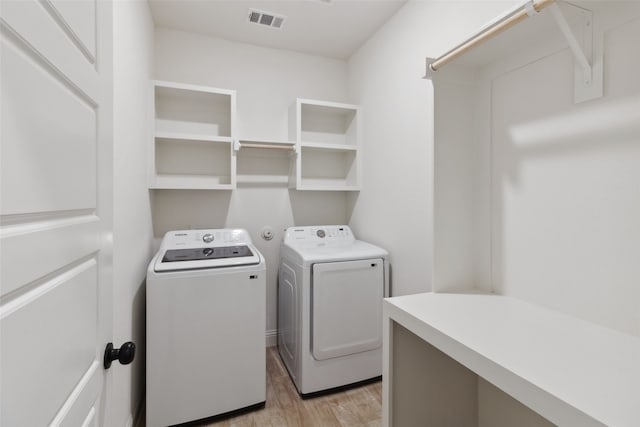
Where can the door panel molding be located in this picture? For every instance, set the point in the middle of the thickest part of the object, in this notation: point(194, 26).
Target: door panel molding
point(49, 340)
point(78, 24)
point(79, 406)
point(57, 244)
point(41, 36)
point(49, 140)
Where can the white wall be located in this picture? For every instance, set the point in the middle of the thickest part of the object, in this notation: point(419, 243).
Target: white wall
point(267, 82)
point(394, 207)
point(565, 185)
point(132, 228)
point(457, 212)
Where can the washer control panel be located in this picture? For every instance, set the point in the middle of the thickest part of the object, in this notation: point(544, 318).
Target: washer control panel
point(319, 234)
point(210, 238)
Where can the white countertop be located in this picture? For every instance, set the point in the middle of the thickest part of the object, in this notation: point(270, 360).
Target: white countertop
point(570, 371)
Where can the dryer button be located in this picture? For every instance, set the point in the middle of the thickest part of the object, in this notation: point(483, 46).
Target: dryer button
point(320, 234)
point(207, 238)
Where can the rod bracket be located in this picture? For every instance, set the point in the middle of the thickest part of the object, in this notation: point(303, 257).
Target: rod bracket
point(588, 79)
point(530, 9)
point(430, 71)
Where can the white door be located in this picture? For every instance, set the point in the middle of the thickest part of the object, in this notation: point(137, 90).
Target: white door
point(346, 307)
point(55, 210)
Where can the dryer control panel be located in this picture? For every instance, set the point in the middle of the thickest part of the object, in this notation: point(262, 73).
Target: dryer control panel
point(319, 234)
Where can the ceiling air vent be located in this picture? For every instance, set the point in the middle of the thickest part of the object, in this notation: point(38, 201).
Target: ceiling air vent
point(267, 19)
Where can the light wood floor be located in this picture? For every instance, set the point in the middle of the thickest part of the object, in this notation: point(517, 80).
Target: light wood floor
point(284, 408)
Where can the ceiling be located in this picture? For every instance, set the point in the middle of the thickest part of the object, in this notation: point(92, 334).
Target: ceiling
point(331, 28)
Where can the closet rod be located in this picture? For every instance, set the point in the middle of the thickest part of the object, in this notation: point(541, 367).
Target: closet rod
point(277, 147)
point(499, 26)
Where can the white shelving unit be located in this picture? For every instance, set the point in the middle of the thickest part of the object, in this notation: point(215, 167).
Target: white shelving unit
point(194, 129)
point(328, 140)
point(195, 145)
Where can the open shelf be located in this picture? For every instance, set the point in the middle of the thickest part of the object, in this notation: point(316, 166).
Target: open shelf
point(193, 109)
point(187, 161)
point(328, 169)
point(328, 146)
point(193, 138)
point(328, 140)
point(190, 182)
point(328, 122)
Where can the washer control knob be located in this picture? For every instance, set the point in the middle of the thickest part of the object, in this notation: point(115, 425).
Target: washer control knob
point(320, 233)
point(207, 238)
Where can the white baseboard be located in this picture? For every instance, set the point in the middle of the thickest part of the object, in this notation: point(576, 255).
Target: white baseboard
point(272, 337)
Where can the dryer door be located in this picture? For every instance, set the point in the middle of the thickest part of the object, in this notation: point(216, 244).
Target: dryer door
point(346, 307)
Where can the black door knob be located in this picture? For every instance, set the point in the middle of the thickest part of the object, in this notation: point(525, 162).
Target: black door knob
point(124, 354)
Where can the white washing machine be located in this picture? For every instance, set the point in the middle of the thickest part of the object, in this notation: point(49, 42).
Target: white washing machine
point(206, 303)
point(330, 291)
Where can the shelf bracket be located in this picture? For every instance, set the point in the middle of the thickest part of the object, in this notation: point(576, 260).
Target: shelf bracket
point(236, 145)
point(588, 80)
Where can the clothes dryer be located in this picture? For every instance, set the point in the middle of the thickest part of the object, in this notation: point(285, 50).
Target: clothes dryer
point(330, 291)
